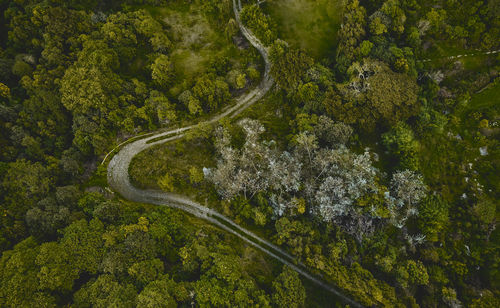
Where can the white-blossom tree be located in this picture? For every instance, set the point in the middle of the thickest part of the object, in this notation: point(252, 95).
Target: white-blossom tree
point(407, 190)
point(328, 180)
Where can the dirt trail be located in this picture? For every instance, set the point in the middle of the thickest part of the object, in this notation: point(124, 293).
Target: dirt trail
point(119, 180)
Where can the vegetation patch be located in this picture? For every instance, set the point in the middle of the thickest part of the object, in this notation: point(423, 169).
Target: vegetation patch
point(308, 24)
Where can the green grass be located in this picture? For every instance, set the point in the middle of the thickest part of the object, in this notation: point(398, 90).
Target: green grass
point(174, 158)
point(274, 113)
point(308, 24)
point(489, 97)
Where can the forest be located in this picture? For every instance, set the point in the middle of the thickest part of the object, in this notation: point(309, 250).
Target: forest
point(227, 153)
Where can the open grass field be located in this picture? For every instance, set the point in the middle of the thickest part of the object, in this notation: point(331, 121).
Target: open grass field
point(308, 24)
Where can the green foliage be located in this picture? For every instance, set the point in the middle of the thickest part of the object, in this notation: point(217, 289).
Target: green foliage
point(261, 25)
point(19, 276)
point(350, 34)
point(365, 48)
point(195, 175)
point(393, 9)
point(106, 291)
point(389, 98)
point(57, 270)
point(401, 142)
point(417, 273)
point(156, 294)
point(288, 290)
point(166, 182)
point(145, 272)
point(21, 68)
point(485, 210)
point(24, 184)
point(211, 93)
point(377, 27)
point(433, 217)
point(84, 243)
point(161, 71)
point(289, 68)
point(487, 299)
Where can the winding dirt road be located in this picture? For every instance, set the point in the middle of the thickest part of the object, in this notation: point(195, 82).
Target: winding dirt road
point(118, 176)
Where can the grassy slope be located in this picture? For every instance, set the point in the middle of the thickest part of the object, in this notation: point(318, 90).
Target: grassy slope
point(489, 97)
point(308, 24)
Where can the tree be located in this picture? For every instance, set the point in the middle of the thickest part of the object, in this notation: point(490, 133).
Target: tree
point(374, 94)
point(261, 25)
point(156, 294)
point(365, 48)
point(331, 181)
point(433, 216)
point(161, 71)
point(407, 190)
point(350, 34)
point(146, 271)
point(166, 182)
point(105, 291)
point(331, 133)
point(19, 277)
point(23, 185)
point(288, 290)
point(224, 283)
point(85, 244)
point(57, 270)
point(211, 92)
point(288, 69)
point(377, 23)
point(159, 108)
point(108, 212)
point(436, 19)
point(417, 273)
point(47, 218)
point(485, 211)
point(401, 142)
point(4, 91)
point(392, 9)
point(195, 175)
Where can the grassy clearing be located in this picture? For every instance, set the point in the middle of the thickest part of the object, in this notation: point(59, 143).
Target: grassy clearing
point(489, 97)
point(176, 159)
point(308, 24)
point(274, 114)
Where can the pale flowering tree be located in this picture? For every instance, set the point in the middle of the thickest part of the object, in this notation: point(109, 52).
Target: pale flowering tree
point(328, 180)
point(240, 171)
point(332, 133)
point(407, 190)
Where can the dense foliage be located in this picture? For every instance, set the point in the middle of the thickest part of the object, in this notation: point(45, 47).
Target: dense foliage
point(376, 167)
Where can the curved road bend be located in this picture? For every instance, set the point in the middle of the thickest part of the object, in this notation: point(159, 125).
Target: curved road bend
point(118, 176)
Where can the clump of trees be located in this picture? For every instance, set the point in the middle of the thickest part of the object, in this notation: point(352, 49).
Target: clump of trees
point(93, 89)
point(260, 24)
point(319, 175)
point(373, 95)
point(120, 254)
